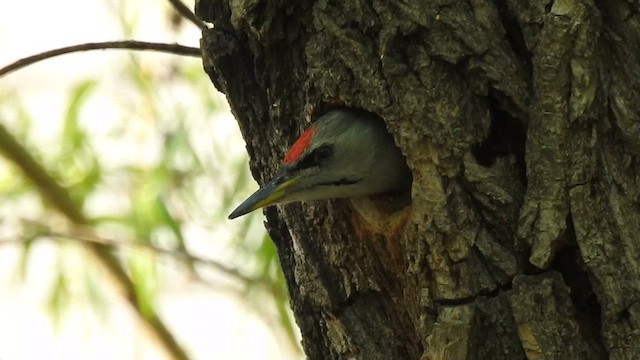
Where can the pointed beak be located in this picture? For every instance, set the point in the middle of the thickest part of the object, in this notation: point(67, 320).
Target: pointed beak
point(269, 194)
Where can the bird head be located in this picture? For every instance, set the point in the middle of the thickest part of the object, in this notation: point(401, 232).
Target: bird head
point(344, 154)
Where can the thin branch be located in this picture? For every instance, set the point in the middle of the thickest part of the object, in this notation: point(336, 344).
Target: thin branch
point(126, 44)
point(185, 12)
point(48, 187)
point(89, 238)
point(116, 244)
point(59, 198)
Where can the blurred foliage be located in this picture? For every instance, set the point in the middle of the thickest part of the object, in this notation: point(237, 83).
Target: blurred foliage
point(155, 171)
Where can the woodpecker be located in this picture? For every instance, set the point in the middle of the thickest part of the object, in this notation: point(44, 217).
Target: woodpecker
point(344, 154)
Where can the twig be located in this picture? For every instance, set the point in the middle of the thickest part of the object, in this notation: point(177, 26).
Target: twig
point(185, 12)
point(47, 186)
point(46, 234)
point(126, 44)
point(115, 244)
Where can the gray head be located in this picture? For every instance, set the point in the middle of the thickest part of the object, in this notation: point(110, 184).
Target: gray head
point(343, 154)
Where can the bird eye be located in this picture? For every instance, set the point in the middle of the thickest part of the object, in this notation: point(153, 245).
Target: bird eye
point(322, 154)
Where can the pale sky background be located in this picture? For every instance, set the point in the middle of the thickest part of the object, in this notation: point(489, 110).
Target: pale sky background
point(210, 323)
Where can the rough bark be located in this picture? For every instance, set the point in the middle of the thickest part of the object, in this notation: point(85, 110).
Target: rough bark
point(520, 121)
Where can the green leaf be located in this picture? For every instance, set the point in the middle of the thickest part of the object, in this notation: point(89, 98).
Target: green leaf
point(58, 300)
point(23, 262)
point(77, 160)
point(73, 135)
point(144, 276)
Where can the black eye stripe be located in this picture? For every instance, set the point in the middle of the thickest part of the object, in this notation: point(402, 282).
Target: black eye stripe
point(305, 163)
point(343, 181)
point(315, 158)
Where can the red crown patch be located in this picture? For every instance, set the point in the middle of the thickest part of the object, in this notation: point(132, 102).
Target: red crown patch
point(299, 146)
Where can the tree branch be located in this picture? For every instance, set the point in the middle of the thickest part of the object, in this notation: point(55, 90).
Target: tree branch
point(86, 236)
point(185, 12)
point(59, 198)
point(126, 44)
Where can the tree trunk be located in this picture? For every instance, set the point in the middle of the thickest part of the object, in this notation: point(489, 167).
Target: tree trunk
point(520, 121)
